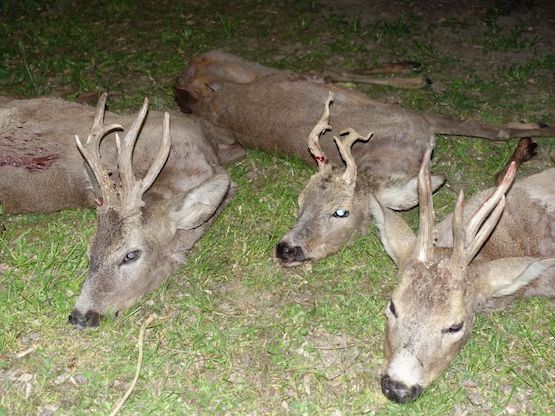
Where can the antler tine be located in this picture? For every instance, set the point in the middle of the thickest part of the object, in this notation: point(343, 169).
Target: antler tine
point(133, 189)
point(424, 250)
point(484, 220)
point(459, 236)
point(130, 196)
point(99, 130)
point(486, 230)
point(481, 214)
point(344, 145)
point(91, 152)
point(318, 129)
point(161, 157)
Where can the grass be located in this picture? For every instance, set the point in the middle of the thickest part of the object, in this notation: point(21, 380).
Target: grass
point(235, 333)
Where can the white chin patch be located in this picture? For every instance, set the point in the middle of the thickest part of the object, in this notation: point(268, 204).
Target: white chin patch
point(405, 368)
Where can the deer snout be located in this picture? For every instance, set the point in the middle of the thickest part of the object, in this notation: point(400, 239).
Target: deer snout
point(399, 392)
point(82, 321)
point(289, 255)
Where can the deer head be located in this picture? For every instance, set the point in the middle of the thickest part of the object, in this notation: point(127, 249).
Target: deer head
point(432, 309)
point(140, 239)
point(331, 209)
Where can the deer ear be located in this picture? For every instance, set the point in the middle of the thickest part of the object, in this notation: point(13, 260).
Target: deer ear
point(405, 196)
point(201, 203)
point(504, 277)
point(397, 238)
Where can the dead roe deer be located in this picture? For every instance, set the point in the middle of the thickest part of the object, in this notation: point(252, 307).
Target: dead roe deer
point(483, 256)
point(145, 227)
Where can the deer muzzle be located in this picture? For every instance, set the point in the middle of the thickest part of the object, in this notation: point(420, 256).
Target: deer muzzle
point(81, 321)
point(290, 255)
point(399, 392)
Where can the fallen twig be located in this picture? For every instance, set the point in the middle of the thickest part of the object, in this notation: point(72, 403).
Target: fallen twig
point(119, 405)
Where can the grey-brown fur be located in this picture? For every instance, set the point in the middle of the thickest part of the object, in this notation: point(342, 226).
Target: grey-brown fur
point(275, 110)
point(536, 215)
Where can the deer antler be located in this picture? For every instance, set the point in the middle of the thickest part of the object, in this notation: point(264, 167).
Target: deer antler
point(344, 145)
point(318, 129)
point(91, 152)
point(424, 249)
point(133, 189)
point(468, 240)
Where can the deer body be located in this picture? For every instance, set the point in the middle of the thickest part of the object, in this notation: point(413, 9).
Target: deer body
point(145, 227)
point(486, 254)
point(42, 170)
point(275, 110)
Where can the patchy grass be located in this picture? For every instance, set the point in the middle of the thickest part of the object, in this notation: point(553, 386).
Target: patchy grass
point(235, 333)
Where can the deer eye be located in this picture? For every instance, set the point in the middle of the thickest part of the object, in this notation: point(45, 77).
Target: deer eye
point(392, 309)
point(341, 213)
point(453, 328)
point(131, 256)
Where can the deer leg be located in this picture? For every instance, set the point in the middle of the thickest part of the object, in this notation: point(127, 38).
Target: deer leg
point(230, 153)
point(414, 82)
point(368, 75)
point(403, 67)
point(525, 150)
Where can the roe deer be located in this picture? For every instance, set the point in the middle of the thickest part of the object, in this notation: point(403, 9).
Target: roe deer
point(495, 249)
point(143, 232)
point(275, 110)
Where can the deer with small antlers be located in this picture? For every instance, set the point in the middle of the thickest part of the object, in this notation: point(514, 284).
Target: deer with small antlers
point(254, 102)
point(496, 248)
point(145, 227)
point(331, 190)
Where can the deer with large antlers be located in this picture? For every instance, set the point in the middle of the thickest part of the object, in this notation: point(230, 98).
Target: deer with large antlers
point(255, 103)
point(145, 227)
point(480, 258)
point(139, 239)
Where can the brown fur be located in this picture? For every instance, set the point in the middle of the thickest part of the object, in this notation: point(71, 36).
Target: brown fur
point(38, 152)
point(275, 110)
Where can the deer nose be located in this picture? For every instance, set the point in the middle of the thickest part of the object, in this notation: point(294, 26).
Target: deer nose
point(399, 392)
point(89, 319)
point(288, 253)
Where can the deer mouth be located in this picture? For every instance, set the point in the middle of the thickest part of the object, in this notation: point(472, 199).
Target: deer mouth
point(289, 264)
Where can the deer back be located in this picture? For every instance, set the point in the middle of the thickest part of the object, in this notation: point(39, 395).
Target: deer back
point(274, 110)
point(527, 226)
point(42, 170)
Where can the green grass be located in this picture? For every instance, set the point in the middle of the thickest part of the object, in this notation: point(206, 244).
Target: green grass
point(235, 333)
